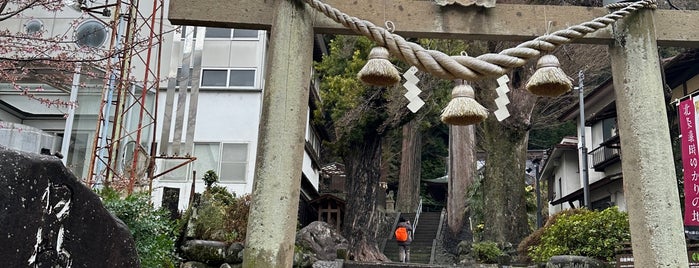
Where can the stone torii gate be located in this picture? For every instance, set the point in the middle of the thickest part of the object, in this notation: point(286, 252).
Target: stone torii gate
point(654, 211)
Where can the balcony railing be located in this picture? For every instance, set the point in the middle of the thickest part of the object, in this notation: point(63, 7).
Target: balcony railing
point(604, 156)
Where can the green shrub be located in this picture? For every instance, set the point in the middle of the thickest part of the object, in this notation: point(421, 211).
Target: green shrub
point(535, 238)
point(486, 252)
point(582, 232)
point(219, 194)
point(221, 216)
point(237, 219)
point(152, 229)
point(211, 218)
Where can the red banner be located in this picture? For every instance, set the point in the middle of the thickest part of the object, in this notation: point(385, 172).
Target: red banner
point(688, 130)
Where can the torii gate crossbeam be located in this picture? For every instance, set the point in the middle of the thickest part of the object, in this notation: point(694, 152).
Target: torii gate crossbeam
point(424, 19)
point(654, 211)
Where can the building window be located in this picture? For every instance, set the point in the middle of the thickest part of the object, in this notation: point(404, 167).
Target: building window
point(242, 33)
point(214, 78)
point(560, 188)
point(234, 161)
point(226, 33)
point(228, 160)
point(212, 32)
point(229, 78)
point(183, 33)
point(241, 78)
point(314, 140)
point(91, 33)
point(609, 128)
point(208, 155)
point(178, 174)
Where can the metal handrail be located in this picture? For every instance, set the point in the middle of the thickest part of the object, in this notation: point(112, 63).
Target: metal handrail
point(439, 235)
point(417, 216)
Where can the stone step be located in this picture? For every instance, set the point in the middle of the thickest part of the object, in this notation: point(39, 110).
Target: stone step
point(421, 246)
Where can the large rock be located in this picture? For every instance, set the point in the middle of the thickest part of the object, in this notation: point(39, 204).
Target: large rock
point(234, 254)
point(321, 239)
point(50, 219)
point(195, 264)
point(206, 251)
point(328, 264)
point(571, 261)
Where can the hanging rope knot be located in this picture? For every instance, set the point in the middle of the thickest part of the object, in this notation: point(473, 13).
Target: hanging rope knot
point(379, 71)
point(463, 109)
point(462, 92)
point(549, 79)
point(378, 54)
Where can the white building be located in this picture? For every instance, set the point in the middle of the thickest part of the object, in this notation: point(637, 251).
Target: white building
point(227, 111)
point(564, 171)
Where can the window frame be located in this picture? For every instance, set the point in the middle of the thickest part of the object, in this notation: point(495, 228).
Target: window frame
point(228, 79)
point(183, 33)
point(231, 34)
point(218, 165)
point(245, 163)
point(170, 176)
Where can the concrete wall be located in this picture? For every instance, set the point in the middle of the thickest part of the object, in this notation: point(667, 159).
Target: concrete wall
point(566, 179)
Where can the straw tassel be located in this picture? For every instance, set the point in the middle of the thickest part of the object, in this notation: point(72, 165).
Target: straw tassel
point(379, 71)
point(463, 109)
point(549, 79)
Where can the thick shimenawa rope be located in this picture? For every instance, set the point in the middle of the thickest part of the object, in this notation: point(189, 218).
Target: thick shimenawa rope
point(469, 68)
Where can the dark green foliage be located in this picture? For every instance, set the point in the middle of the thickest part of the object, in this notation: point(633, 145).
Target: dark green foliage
point(476, 204)
point(545, 138)
point(210, 177)
point(595, 234)
point(221, 216)
point(530, 197)
point(221, 194)
point(435, 151)
point(486, 252)
point(151, 228)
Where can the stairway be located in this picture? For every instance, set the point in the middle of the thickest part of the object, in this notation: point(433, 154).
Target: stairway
point(425, 233)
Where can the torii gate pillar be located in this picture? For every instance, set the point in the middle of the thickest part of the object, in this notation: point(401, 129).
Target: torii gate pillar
point(653, 201)
point(649, 171)
point(272, 220)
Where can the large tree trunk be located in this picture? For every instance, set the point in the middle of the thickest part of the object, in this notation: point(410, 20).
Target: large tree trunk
point(505, 145)
point(409, 178)
point(505, 213)
point(462, 169)
point(362, 220)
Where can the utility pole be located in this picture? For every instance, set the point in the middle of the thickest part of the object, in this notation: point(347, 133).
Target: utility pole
point(539, 220)
point(583, 146)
